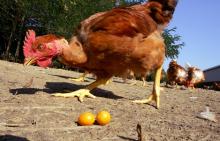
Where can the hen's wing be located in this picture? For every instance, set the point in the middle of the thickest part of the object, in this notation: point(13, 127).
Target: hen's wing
point(124, 22)
point(116, 31)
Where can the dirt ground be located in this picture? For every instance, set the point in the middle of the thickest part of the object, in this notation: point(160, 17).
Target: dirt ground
point(30, 113)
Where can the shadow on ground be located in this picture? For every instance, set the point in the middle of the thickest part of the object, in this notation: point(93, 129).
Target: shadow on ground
point(127, 139)
point(63, 87)
point(67, 77)
point(12, 138)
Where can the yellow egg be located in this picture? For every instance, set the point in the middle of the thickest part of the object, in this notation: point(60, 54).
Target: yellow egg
point(86, 119)
point(103, 118)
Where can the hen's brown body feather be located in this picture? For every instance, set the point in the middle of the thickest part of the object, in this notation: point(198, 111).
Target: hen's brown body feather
point(113, 42)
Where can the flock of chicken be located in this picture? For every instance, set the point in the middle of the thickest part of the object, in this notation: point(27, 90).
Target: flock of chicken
point(114, 43)
point(188, 77)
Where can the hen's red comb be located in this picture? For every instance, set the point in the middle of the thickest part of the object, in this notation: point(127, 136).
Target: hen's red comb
point(29, 40)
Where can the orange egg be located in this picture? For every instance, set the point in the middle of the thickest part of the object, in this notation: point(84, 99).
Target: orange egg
point(86, 118)
point(103, 118)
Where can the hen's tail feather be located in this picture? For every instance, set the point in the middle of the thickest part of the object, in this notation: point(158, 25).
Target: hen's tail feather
point(188, 65)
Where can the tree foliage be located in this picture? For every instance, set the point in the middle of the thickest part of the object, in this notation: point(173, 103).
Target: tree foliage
point(173, 43)
point(44, 16)
point(59, 17)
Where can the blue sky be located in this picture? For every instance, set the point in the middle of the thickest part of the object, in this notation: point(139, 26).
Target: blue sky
point(198, 22)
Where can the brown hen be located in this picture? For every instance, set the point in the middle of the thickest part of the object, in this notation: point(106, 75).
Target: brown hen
point(176, 74)
point(110, 43)
point(195, 76)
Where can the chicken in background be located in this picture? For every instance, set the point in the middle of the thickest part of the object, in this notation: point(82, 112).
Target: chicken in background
point(176, 74)
point(216, 86)
point(189, 76)
point(128, 37)
point(195, 76)
point(130, 75)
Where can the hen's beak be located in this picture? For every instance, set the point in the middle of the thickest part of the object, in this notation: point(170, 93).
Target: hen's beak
point(29, 61)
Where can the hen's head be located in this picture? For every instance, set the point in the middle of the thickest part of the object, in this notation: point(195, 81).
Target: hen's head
point(172, 63)
point(40, 50)
point(167, 4)
point(162, 10)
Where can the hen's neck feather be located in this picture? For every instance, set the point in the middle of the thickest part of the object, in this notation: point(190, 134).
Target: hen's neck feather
point(73, 54)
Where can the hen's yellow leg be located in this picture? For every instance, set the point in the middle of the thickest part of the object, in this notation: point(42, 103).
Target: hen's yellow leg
point(81, 93)
point(155, 96)
point(134, 82)
point(81, 78)
point(144, 82)
point(108, 81)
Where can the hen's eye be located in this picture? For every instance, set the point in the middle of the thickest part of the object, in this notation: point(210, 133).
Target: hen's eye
point(40, 47)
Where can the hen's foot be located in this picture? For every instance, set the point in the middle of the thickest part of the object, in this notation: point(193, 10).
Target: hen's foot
point(80, 79)
point(81, 93)
point(144, 84)
point(109, 81)
point(133, 83)
point(152, 97)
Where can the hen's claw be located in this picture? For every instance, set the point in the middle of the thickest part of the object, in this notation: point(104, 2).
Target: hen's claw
point(155, 96)
point(81, 93)
point(152, 97)
point(133, 83)
point(80, 79)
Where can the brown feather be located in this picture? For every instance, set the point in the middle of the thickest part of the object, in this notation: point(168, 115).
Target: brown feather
point(45, 39)
point(114, 41)
point(176, 74)
point(195, 76)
